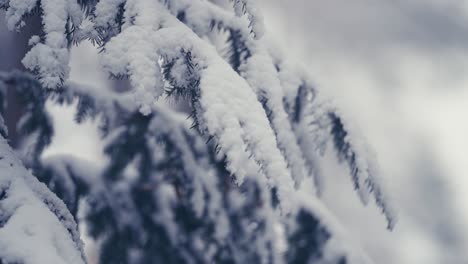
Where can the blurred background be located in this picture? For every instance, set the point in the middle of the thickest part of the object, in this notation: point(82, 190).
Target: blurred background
point(400, 69)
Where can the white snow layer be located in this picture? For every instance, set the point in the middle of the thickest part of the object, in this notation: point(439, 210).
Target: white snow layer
point(35, 226)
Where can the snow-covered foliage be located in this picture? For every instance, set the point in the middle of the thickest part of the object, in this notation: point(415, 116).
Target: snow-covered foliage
point(49, 55)
point(35, 225)
point(250, 8)
point(223, 189)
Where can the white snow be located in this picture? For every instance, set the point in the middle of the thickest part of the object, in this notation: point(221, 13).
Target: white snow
point(250, 8)
point(35, 226)
point(51, 58)
point(15, 12)
point(132, 52)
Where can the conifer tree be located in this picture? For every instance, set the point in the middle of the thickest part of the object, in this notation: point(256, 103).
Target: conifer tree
point(217, 185)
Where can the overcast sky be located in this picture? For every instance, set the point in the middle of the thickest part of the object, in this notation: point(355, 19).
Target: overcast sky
point(400, 69)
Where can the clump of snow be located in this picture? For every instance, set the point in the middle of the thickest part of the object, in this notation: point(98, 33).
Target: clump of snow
point(15, 12)
point(132, 53)
point(34, 40)
point(106, 12)
point(50, 59)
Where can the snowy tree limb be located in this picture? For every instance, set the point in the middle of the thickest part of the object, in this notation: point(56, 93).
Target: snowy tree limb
point(35, 226)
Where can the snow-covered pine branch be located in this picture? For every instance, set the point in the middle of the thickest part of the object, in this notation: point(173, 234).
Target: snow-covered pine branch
point(232, 114)
point(251, 10)
point(253, 67)
point(363, 167)
point(49, 55)
point(223, 192)
point(317, 123)
point(35, 226)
